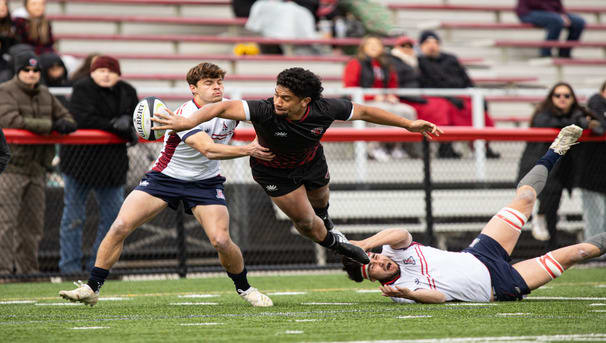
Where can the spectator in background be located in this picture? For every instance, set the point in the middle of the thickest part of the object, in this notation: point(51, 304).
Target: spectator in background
point(7, 39)
point(591, 178)
point(35, 29)
point(84, 70)
point(104, 102)
point(551, 15)
point(54, 73)
point(5, 153)
point(372, 68)
point(559, 109)
point(26, 104)
point(443, 70)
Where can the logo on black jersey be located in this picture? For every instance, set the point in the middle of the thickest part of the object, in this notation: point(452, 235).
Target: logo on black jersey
point(410, 260)
point(317, 131)
point(144, 183)
point(280, 134)
point(271, 188)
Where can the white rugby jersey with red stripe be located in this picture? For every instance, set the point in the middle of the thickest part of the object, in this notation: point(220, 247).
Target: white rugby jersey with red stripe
point(459, 275)
point(180, 161)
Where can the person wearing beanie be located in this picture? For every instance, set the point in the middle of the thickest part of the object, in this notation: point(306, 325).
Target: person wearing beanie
point(26, 104)
point(54, 73)
point(443, 70)
point(99, 101)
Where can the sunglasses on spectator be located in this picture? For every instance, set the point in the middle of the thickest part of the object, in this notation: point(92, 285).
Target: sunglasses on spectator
point(559, 95)
point(30, 69)
point(407, 45)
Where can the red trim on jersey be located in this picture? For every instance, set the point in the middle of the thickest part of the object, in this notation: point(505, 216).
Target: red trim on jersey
point(517, 227)
point(195, 103)
point(430, 280)
point(515, 215)
point(391, 281)
point(304, 115)
point(167, 154)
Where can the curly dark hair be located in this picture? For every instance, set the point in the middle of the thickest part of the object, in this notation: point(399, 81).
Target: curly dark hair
point(302, 82)
point(352, 268)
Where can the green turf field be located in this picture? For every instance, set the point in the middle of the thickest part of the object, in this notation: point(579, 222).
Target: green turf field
point(308, 308)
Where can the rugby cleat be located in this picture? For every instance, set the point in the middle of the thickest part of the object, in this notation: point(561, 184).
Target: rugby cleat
point(83, 294)
point(567, 137)
point(256, 298)
point(343, 247)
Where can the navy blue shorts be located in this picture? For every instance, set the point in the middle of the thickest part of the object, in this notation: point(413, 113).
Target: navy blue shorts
point(191, 193)
point(507, 283)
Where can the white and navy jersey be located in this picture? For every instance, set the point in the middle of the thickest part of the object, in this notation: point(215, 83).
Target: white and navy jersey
point(459, 275)
point(180, 161)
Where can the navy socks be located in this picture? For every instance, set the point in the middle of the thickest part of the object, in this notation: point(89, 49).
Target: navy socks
point(97, 278)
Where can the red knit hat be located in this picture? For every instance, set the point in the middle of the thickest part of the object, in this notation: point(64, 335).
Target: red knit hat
point(105, 61)
point(404, 40)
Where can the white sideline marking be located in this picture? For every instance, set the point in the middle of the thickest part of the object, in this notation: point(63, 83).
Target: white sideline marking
point(305, 320)
point(597, 304)
point(17, 302)
point(327, 303)
point(287, 293)
point(411, 317)
point(58, 304)
point(90, 327)
point(194, 304)
point(599, 311)
point(113, 299)
point(566, 298)
point(601, 286)
point(293, 332)
point(513, 314)
point(198, 324)
point(471, 304)
point(577, 337)
point(368, 291)
point(198, 296)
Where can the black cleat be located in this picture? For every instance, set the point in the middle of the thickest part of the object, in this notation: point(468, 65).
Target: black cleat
point(343, 247)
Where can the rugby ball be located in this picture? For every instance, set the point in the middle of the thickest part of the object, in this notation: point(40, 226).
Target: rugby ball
point(144, 112)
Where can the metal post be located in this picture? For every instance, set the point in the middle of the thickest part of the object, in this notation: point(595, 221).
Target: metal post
point(181, 247)
point(428, 186)
point(477, 102)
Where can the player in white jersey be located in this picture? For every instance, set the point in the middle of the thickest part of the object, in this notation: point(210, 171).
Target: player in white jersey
point(410, 272)
point(187, 171)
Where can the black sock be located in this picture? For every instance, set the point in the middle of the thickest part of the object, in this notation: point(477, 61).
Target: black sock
point(240, 281)
point(549, 159)
point(329, 240)
point(322, 212)
point(97, 278)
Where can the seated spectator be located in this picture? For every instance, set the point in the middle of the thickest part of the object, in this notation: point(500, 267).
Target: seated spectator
point(84, 70)
point(443, 70)
point(100, 101)
point(26, 104)
point(372, 68)
point(54, 73)
point(591, 176)
point(559, 109)
point(551, 15)
point(35, 29)
point(7, 39)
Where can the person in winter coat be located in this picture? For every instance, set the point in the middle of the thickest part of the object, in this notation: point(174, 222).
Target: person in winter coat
point(559, 109)
point(26, 104)
point(54, 73)
point(443, 70)
point(104, 102)
point(5, 153)
point(551, 15)
point(372, 68)
point(7, 39)
point(591, 178)
point(34, 28)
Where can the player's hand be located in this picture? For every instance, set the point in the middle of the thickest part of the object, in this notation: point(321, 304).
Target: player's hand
point(396, 292)
point(260, 152)
point(171, 121)
point(426, 128)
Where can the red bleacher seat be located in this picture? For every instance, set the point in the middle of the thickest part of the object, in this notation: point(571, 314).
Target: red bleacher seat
point(503, 26)
point(578, 61)
point(555, 44)
point(149, 19)
point(484, 8)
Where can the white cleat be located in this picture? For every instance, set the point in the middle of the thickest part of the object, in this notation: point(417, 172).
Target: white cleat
point(256, 298)
point(567, 137)
point(539, 228)
point(83, 294)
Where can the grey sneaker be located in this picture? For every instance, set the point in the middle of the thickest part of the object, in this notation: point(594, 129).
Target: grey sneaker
point(256, 298)
point(567, 137)
point(343, 247)
point(83, 294)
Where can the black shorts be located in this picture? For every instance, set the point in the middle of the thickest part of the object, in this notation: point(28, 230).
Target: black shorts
point(277, 182)
point(191, 193)
point(507, 283)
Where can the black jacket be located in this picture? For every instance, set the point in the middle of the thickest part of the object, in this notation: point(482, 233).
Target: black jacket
point(444, 71)
point(591, 160)
point(48, 60)
point(94, 107)
point(408, 77)
point(5, 153)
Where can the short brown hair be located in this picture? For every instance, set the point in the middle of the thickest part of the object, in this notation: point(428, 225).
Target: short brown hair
point(204, 71)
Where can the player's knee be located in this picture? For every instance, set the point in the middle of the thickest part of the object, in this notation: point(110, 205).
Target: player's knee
point(220, 242)
point(304, 224)
point(526, 195)
point(120, 229)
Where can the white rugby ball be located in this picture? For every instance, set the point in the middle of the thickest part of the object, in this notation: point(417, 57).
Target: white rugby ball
point(142, 115)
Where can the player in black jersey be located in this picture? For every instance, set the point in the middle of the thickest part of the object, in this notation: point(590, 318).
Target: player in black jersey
point(291, 126)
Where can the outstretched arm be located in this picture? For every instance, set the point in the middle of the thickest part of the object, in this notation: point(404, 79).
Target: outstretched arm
point(376, 115)
point(232, 109)
point(425, 296)
point(396, 238)
point(214, 151)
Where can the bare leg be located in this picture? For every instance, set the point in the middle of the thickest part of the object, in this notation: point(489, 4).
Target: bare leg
point(215, 221)
point(318, 198)
point(138, 208)
point(297, 207)
point(536, 275)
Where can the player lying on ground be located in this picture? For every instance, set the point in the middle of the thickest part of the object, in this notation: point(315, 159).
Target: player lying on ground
point(410, 272)
point(186, 171)
point(291, 126)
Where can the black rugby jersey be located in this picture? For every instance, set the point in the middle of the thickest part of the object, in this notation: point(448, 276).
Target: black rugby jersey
point(294, 142)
